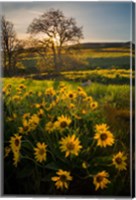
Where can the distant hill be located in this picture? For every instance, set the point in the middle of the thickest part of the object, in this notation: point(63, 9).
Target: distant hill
point(102, 45)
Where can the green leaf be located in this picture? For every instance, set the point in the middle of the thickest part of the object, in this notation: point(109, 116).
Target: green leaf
point(52, 166)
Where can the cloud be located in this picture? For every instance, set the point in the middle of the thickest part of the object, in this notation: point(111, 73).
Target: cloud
point(35, 12)
point(105, 21)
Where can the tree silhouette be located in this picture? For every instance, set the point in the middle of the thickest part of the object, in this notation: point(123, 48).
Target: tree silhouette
point(10, 46)
point(58, 31)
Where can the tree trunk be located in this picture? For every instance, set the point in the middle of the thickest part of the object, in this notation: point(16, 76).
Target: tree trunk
point(56, 67)
point(60, 57)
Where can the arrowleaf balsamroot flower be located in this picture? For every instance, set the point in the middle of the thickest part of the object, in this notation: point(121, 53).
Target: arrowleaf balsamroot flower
point(40, 152)
point(103, 136)
point(16, 158)
point(62, 123)
point(71, 94)
point(70, 145)
point(62, 180)
point(93, 105)
point(101, 127)
point(119, 161)
point(100, 180)
point(50, 91)
point(15, 144)
point(49, 127)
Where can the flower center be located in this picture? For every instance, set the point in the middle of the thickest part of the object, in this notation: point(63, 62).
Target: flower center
point(99, 178)
point(70, 146)
point(17, 142)
point(40, 115)
point(41, 151)
point(25, 128)
point(103, 136)
point(63, 124)
point(63, 178)
point(71, 95)
point(118, 160)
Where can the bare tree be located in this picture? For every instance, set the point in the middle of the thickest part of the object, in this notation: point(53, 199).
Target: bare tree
point(10, 46)
point(58, 31)
point(40, 48)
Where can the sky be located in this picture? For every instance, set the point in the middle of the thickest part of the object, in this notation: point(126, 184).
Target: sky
point(101, 21)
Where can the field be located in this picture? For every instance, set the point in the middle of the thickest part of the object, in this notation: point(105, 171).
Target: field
point(79, 59)
point(69, 134)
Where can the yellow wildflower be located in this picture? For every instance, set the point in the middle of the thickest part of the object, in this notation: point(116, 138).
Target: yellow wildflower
point(9, 86)
point(50, 91)
point(40, 113)
point(34, 119)
point(88, 99)
point(84, 111)
point(15, 143)
point(40, 105)
point(49, 127)
point(40, 152)
point(22, 86)
point(101, 127)
point(80, 89)
point(16, 98)
point(119, 161)
point(100, 180)
point(70, 145)
point(103, 136)
point(62, 122)
point(30, 92)
point(93, 105)
point(62, 180)
point(82, 94)
point(26, 115)
point(71, 106)
point(71, 95)
point(16, 158)
point(26, 127)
